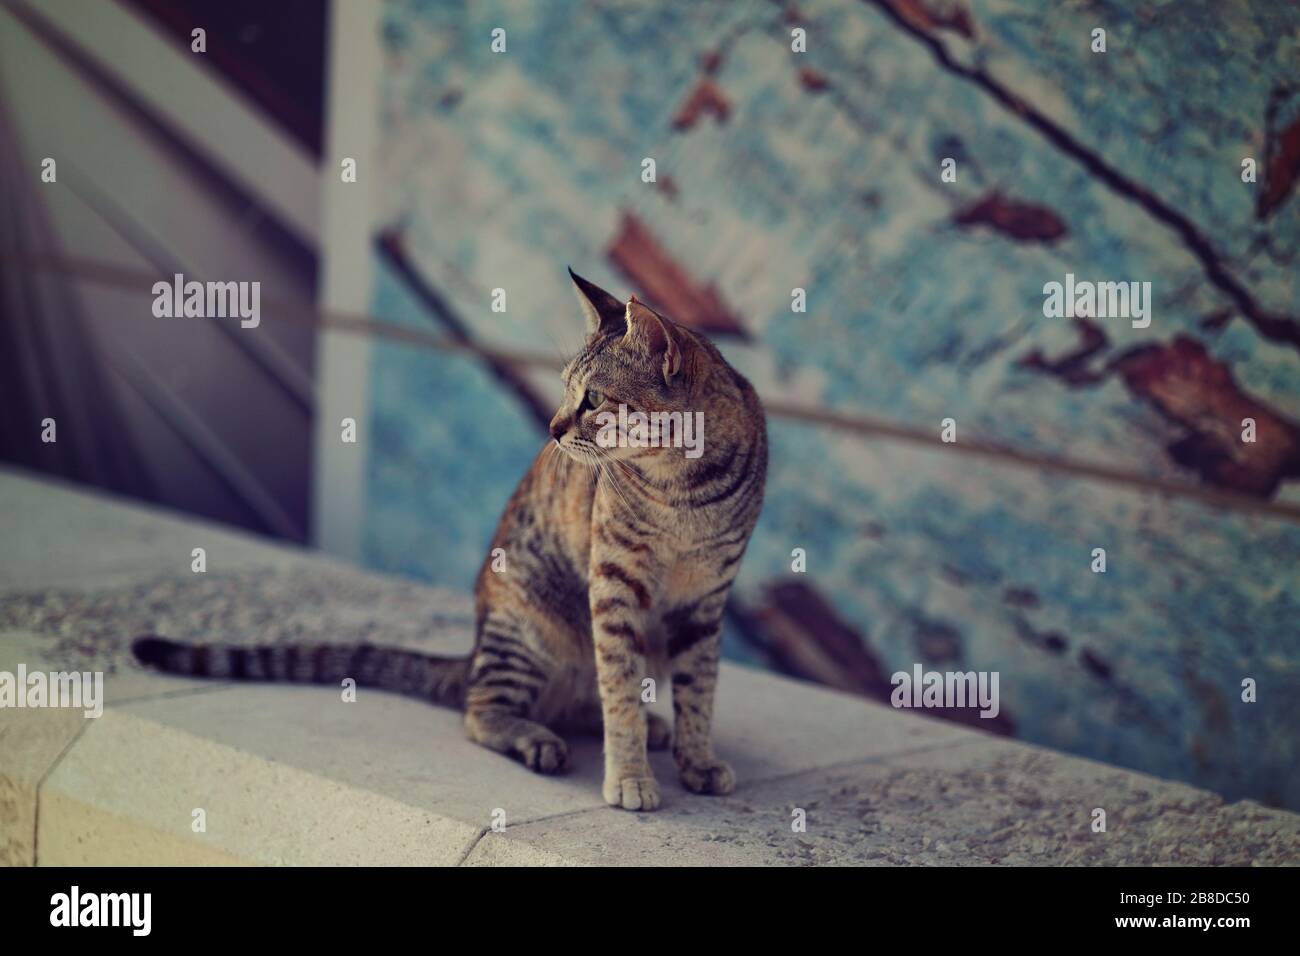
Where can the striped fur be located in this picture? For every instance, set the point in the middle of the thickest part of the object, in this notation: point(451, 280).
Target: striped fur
point(440, 680)
point(618, 563)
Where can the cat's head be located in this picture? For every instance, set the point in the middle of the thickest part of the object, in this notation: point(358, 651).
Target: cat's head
point(634, 358)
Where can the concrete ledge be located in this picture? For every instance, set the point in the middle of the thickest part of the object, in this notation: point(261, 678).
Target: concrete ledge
point(978, 802)
point(296, 775)
point(31, 743)
point(126, 793)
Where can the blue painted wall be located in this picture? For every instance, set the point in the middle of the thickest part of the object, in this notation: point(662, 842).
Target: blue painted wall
point(822, 172)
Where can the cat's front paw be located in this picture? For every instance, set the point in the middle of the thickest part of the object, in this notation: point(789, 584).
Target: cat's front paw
point(632, 793)
point(544, 752)
point(712, 777)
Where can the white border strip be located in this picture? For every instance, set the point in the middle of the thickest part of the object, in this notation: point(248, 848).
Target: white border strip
point(347, 216)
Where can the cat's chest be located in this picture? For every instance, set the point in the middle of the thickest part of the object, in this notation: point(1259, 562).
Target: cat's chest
point(683, 576)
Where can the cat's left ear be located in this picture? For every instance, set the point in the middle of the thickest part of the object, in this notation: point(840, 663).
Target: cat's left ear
point(603, 312)
point(647, 331)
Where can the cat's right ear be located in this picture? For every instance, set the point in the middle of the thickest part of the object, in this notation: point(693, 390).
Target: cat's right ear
point(603, 312)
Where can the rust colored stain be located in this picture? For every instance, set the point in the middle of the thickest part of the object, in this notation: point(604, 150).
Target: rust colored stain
point(812, 81)
point(805, 636)
point(1282, 169)
point(640, 257)
point(706, 99)
point(931, 15)
point(810, 638)
point(1190, 387)
point(1023, 221)
point(1073, 366)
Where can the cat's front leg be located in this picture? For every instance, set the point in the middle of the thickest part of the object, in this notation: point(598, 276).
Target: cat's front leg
point(620, 602)
point(694, 648)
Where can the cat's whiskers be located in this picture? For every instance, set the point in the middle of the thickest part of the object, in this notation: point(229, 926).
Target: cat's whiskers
point(608, 481)
point(552, 465)
point(585, 457)
point(641, 483)
point(591, 456)
point(610, 475)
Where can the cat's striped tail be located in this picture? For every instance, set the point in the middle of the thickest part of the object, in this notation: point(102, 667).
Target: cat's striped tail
point(439, 680)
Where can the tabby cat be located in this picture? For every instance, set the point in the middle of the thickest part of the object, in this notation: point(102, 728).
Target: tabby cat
point(618, 562)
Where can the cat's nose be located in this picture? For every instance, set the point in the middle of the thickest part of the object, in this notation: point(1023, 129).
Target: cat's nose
point(558, 428)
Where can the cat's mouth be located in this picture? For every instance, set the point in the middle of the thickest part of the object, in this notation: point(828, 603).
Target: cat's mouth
point(588, 453)
point(581, 450)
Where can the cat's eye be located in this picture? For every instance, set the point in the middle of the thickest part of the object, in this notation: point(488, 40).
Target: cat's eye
point(594, 399)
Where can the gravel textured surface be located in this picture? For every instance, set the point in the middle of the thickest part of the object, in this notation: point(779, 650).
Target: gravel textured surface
point(93, 629)
point(973, 804)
